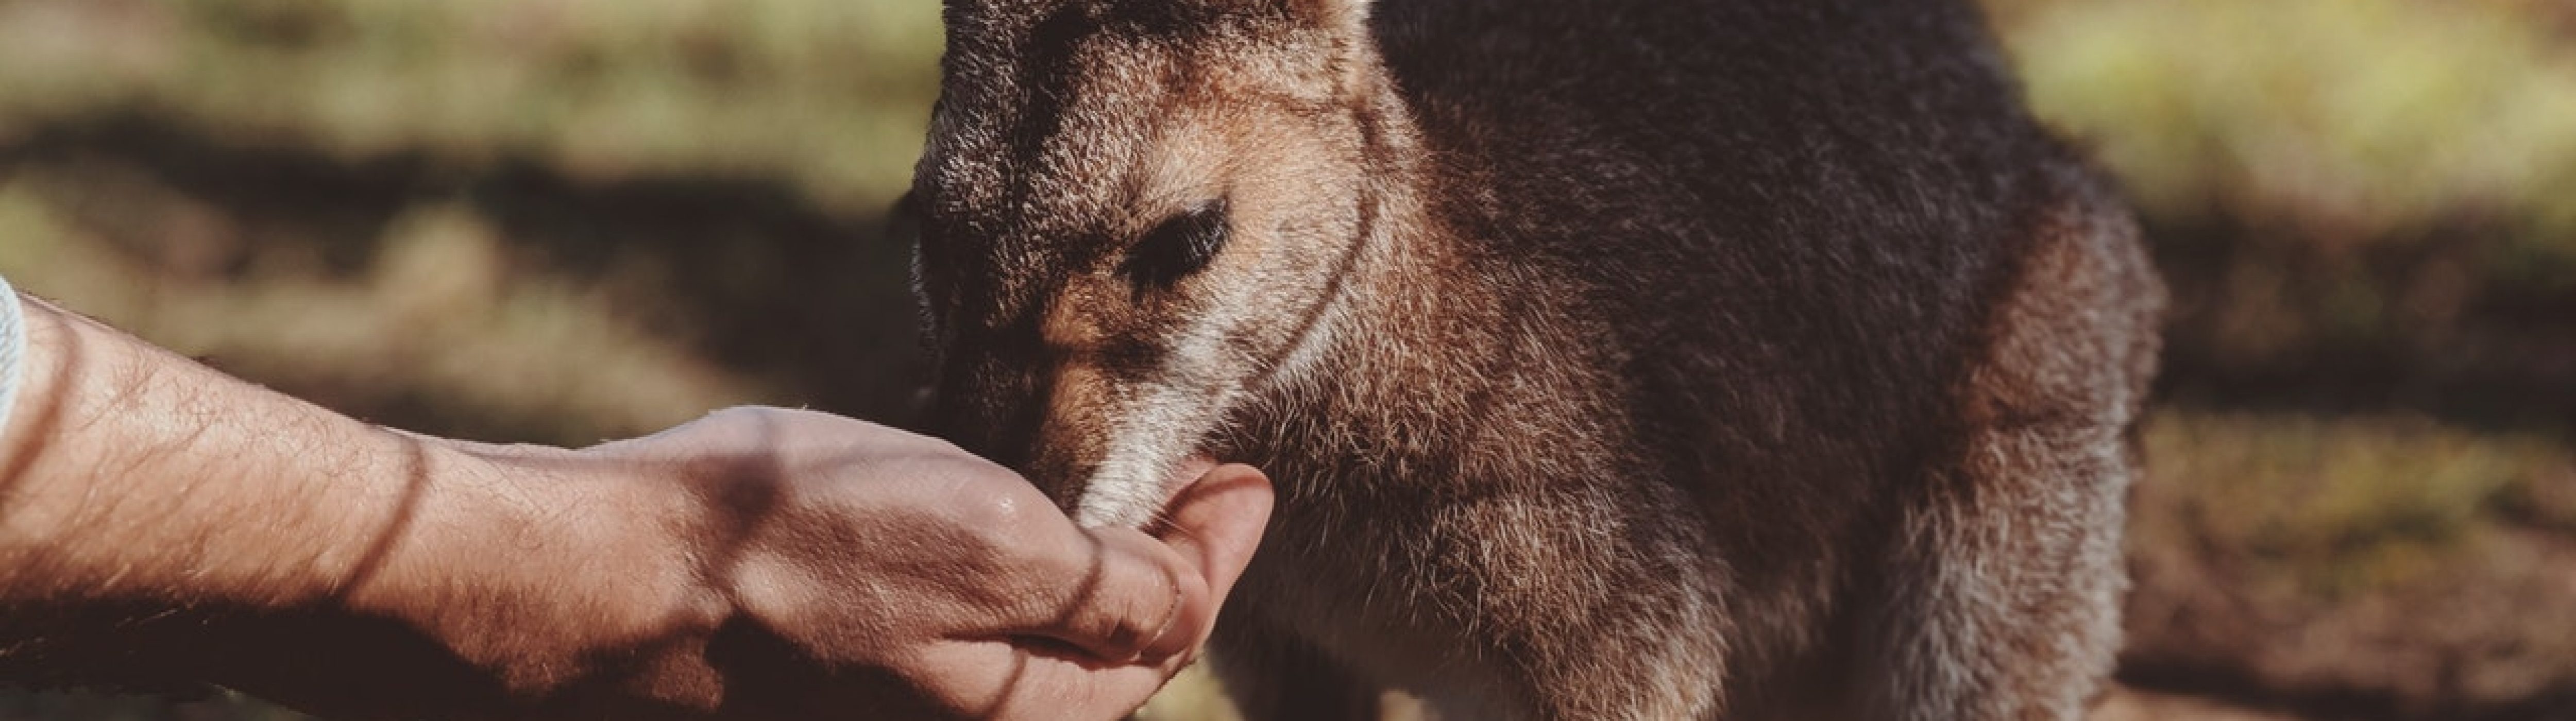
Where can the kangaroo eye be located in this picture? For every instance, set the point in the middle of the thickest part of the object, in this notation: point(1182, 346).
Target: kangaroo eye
point(1180, 246)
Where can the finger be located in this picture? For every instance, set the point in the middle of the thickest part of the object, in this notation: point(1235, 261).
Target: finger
point(1191, 471)
point(1217, 523)
point(1146, 598)
point(1132, 592)
point(1010, 682)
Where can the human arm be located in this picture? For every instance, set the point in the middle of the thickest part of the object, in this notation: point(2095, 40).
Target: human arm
point(161, 520)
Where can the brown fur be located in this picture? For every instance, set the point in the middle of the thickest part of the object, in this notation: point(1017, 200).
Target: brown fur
point(1628, 359)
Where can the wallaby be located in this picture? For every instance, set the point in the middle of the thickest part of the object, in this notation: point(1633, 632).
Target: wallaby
point(1615, 359)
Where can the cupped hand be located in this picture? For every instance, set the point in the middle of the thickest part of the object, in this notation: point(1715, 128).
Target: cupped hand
point(849, 570)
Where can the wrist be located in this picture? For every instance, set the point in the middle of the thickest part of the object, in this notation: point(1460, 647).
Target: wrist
point(540, 568)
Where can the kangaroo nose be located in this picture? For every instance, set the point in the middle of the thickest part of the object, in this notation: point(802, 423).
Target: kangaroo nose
point(1073, 413)
point(988, 407)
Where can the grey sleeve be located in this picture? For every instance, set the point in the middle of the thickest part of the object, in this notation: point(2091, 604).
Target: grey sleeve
point(13, 349)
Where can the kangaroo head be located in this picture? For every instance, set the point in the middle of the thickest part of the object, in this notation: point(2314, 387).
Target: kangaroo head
point(1132, 215)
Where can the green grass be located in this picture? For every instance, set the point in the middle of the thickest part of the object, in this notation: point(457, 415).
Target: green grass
point(2355, 200)
point(2368, 118)
point(832, 95)
point(2335, 506)
point(438, 322)
point(2386, 554)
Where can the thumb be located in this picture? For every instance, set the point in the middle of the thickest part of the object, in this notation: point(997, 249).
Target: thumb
point(1217, 522)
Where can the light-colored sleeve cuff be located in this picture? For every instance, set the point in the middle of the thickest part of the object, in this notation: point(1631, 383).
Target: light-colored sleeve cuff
point(13, 350)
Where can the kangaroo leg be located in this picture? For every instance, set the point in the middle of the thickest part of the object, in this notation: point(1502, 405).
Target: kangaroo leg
point(1273, 676)
point(2005, 602)
point(2003, 591)
point(2003, 597)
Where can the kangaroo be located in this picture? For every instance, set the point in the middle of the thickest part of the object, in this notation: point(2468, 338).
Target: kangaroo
point(1618, 359)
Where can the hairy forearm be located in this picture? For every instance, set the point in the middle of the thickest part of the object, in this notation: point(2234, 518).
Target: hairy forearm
point(127, 473)
point(146, 500)
point(160, 520)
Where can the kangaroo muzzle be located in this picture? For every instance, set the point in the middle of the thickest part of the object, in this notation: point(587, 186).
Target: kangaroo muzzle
point(1146, 449)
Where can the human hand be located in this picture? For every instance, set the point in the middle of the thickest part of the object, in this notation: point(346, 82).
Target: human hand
point(833, 568)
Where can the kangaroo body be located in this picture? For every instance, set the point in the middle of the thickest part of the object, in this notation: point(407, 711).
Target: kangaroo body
point(1626, 359)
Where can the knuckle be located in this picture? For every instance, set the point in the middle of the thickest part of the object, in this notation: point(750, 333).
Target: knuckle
point(1000, 515)
point(1001, 528)
point(1178, 631)
point(985, 494)
point(990, 506)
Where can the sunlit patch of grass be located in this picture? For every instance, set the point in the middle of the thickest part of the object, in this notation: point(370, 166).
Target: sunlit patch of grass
point(832, 95)
point(2340, 190)
point(2384, 552)
point(2338, 505)
point(439, 327)
point(2376, 116)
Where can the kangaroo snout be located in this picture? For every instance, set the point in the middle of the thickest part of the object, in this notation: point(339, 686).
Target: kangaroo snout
point(1109, 445)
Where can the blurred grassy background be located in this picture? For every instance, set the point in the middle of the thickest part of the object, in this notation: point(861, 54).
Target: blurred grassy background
point(568, 220)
